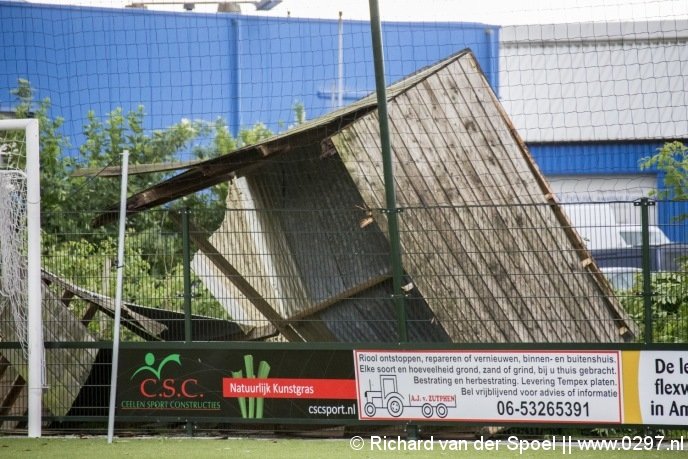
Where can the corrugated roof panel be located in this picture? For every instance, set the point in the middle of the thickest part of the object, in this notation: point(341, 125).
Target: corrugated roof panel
point(592, 157)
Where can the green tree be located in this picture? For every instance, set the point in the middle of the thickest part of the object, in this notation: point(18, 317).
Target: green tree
point(105, 142)
point(86, 262)
point(669, 289)
point(153, 254)
point(55, 167)
point(69, 203)
point(672, 160)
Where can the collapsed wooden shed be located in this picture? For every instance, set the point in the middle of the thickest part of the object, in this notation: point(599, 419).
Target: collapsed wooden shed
point(66, 369)
point(75, 373)
point(489, 255)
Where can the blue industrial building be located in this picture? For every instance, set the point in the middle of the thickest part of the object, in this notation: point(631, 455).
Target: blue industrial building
point(245, 69)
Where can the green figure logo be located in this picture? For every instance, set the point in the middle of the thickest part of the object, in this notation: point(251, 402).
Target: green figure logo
point(150, 361)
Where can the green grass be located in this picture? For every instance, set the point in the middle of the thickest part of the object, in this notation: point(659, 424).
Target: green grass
point(167, 448)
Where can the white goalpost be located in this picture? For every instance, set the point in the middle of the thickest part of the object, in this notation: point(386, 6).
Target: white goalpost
point(20, 251)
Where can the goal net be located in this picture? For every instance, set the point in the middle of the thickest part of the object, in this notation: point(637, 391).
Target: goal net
point(13, 236)
point(20, 254)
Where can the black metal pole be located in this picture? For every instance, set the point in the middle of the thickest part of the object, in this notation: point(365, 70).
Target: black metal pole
point(388, 170)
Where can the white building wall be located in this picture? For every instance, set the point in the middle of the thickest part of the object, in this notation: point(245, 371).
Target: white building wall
point(596, 81)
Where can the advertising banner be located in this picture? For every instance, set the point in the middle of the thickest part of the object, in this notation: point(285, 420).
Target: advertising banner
point(490, 386)
point(275, 384)
point(656, 387)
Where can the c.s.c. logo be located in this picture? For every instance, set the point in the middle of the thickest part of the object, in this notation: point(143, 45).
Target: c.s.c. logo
point(166, 388)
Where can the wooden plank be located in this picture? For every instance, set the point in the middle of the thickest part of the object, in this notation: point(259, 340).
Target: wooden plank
point(365, 173)
point(316, 213)
point(307, 228)
point(67, 296)
point(232, 164)
point(132, 325)
point(253, 237)
point(244, 240)
point(9, 381)
point(299, 204)
point(437, 166)
point(134, 169)
point(365, 168)
point(106, 304)
point(454, 240)
point(433, 267)
point(487, 116)
point(362, 141)
point(14, 398)
point(359, 148)
point(317, 308)
point(490, 163)
point(90, 313)
point(66, 369)
point(480, 170)
point(457, 186)
point(623, 321)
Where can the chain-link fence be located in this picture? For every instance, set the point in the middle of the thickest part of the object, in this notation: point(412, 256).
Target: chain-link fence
point(473, 275)
point(262, 210)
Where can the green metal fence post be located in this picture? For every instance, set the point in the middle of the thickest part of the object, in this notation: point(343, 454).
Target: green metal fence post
point(186, 254)
point(388, 170)
point(645, 204)
point(186, 261)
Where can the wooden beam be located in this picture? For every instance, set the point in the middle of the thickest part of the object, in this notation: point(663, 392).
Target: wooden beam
point(236, 163)
point(107, 305)
point(209, 250)
point(89, 314)
point(66, 297)
point(372, 282)
point(134, 169)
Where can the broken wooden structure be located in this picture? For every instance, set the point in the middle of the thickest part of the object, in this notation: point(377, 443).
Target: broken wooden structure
point(69, 367)
point(488, 253)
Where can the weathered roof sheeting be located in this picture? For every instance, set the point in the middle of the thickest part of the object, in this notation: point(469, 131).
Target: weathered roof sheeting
point(454, 147)
point(293, 232)
point(490, 254)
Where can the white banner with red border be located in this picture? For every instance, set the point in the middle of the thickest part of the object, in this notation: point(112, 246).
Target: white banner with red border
point(533, 386)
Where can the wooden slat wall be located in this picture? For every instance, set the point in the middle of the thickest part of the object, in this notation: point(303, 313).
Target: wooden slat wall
point(310, 252)
point(66, 369)
point(510, 259)
point(581, 302)
point(294, 235)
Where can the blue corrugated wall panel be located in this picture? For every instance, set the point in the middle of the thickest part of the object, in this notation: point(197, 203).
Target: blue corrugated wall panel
point(592, 158)
point(244, 69)
point(609, 159)
point(100, 59)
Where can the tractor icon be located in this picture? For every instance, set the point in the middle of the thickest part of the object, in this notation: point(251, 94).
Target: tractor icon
point(389, 398)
